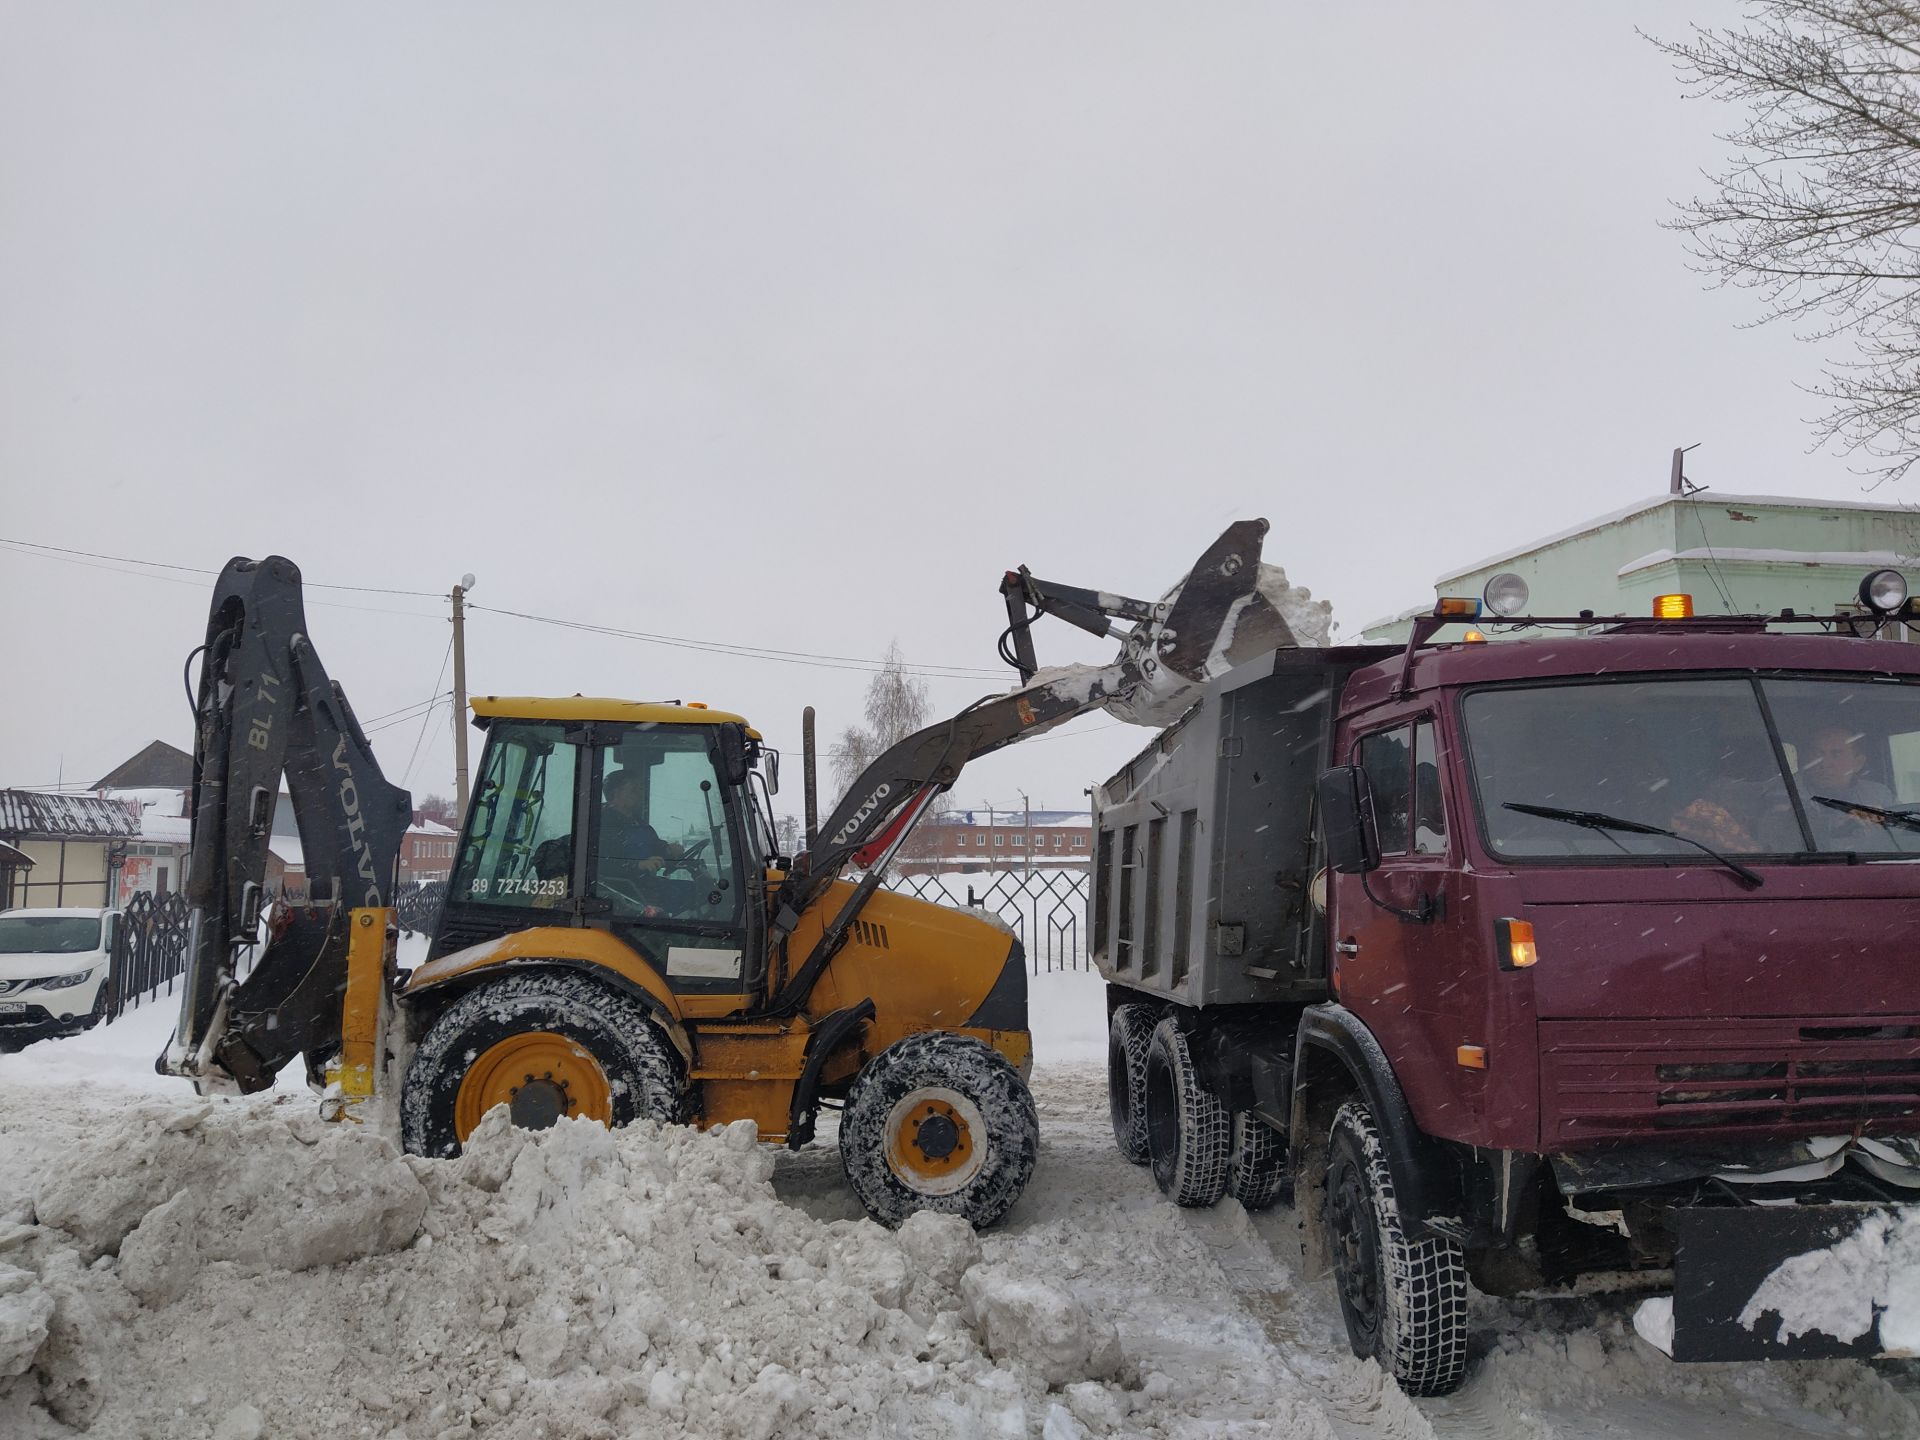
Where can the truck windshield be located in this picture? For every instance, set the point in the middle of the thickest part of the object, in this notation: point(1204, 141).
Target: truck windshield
point(1778, 766)
point(48, 934)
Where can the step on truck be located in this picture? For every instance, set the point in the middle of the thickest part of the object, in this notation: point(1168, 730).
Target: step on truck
point(1591, 951)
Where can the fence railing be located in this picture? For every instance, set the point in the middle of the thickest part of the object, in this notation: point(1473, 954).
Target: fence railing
point(1046, 909)
point(149, 950)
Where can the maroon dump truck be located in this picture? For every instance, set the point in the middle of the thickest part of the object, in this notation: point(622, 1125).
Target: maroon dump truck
point(1592, 950)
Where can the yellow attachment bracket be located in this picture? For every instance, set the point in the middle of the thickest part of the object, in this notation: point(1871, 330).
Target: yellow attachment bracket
point(362, 1011)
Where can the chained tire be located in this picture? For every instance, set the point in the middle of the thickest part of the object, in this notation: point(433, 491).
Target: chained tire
point(1189, 1130)
point(1404, 1298)
point(544, 1045)
point(1257, 1168)
point(1129, 1034)
point(939, 1122)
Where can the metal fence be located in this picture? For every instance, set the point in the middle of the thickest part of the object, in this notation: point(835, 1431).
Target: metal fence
point(149, 949)
point(419, 905)
point(1045, 908)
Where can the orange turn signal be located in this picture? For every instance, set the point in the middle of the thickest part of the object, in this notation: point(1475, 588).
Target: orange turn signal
point(1473, 1057)
point(1514, 941)
point(1462, 607)
point(696, 704)
point(1673, 607)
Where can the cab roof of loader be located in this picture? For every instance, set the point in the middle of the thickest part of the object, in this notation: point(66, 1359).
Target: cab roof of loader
point(595, 707)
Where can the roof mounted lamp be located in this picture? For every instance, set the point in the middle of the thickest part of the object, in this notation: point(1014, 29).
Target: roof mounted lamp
point(1506, 594)
point(1884, 592)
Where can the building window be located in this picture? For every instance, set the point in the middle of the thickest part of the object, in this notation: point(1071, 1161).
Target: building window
point(1019, 839)
point(960, 840)
point(999, 839)
point(1079, 842)
point(980, 839)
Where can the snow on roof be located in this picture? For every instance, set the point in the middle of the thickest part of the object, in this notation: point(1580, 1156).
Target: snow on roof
point(1861, 560)
point(166, 829)
point(31, 814)
point(155, 799)
point(1709, 497)
point(429, 827)
point(287, 848)
point(1017, 818)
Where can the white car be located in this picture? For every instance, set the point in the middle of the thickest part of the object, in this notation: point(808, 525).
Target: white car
point(54, 968)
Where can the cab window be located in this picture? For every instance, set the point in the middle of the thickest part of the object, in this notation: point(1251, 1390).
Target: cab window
point(1384, 758)
point(665, 847)
point(518, 844)
point(1429, 805)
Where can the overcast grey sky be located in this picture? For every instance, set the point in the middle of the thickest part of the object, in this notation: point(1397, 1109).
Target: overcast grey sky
point(795, 325)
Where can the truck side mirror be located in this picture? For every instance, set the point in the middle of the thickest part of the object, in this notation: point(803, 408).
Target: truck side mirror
point(1346, 819)
point(734, 765)
point(772, 770)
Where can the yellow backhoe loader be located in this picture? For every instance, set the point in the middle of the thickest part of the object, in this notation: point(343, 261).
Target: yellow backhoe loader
point(619, 937)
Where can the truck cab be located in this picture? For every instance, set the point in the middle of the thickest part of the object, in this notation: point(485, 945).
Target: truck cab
point(1585, 951)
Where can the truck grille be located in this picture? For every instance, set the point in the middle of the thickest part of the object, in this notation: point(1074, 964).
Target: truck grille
point(1616, 1078)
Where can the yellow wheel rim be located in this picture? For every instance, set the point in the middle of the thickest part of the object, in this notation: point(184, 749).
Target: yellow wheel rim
point(935, 1140)
point(539, 1076)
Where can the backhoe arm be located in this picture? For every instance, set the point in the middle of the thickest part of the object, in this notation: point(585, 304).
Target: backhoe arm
point(1213, 619)
point(265, 706)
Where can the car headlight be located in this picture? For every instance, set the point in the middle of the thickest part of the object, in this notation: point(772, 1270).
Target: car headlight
point(62, 982)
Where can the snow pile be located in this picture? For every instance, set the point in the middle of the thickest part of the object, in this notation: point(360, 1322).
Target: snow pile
point(246, 1270)
point(1837, 1290)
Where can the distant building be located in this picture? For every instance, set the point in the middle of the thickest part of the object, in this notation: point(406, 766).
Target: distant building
point(1734, 554)
point(999, 840)
point(67, 849)
point(158, 767)
point(426, 852)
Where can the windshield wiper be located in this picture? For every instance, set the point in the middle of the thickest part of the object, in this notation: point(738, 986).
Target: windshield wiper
point(1854, 807)
point(1594, 820)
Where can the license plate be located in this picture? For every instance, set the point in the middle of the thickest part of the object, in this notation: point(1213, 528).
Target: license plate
point(13, 1007)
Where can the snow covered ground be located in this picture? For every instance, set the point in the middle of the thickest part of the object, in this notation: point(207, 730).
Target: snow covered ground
point(241, 1269)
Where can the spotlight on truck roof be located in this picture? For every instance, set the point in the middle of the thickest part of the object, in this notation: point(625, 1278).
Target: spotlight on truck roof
point(1884, 591)
point(1506, 594)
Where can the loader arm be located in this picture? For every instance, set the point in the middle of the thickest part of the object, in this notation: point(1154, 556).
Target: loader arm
point(1213, 619)
point(265, 707)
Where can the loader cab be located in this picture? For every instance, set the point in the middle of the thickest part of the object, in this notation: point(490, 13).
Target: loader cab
point(637, 819)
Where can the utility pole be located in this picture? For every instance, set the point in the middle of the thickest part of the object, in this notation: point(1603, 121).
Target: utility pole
point(460, 699)
point(807, 773)
point(1027, 839)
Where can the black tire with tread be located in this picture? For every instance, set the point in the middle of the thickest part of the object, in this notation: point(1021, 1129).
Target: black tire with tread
point(1257, 1170)
point(969, 1067)
point(644, 1069)
point(1189, 1128)
point(1419, 1284)
point(1129, 1033)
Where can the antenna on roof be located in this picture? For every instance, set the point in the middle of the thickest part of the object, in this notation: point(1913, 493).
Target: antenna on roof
point(1677, 481)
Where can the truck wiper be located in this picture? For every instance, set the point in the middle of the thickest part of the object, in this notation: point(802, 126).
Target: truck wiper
point(1594, 820)
point(1854, 807)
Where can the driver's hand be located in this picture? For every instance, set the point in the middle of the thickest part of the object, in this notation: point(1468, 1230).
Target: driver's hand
point(653, 864)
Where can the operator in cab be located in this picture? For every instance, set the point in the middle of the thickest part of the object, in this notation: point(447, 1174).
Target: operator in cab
point(625, 834)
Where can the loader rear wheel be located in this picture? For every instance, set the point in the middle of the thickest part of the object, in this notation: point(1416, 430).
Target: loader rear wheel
point(939, 1122)
point(1128, 1035)
point(1403, 1297)
point(1189, 1129)
point(543, 1045)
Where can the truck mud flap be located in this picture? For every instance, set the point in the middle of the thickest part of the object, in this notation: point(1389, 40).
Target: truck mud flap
point(1721, 1259)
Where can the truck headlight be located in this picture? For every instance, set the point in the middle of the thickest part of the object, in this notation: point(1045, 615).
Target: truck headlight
point(62, 982)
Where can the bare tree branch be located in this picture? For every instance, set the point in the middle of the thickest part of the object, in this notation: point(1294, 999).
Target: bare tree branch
point(1818, 208)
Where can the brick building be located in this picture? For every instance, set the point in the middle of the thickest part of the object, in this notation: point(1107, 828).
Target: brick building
point(999, 840)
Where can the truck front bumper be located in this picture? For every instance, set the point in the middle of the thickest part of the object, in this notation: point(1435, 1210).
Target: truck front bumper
point(1795, 1282)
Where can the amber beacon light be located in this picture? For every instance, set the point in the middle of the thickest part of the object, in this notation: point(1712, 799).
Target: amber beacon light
point(1673, 607)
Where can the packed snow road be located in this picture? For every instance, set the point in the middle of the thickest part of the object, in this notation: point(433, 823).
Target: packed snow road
point(175, 1268)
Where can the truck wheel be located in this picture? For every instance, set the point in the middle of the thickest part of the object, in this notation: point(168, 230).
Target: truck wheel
point(1258, 1170)
point(1404, 1299)
point(1128, 1035)
point(1189, 1132)
point(543, 1045)
point(939, 1122)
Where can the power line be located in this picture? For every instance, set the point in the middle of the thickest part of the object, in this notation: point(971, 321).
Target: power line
point(750, 652)
point(407, 774)
point(197, 570)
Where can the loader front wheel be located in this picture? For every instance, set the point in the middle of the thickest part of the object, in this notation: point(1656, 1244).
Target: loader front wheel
point(939, 1122)
point(544, 1046)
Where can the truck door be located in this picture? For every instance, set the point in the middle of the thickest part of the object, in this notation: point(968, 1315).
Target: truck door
point(1397, 932)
